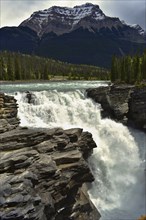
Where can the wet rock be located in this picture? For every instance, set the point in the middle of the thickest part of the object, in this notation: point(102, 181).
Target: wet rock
point(53, 178)
point(8, 113)
point(124, 103)
point(42, 171)
point(30, 97)
point(137, 107)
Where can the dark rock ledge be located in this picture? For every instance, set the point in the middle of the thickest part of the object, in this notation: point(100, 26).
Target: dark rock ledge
point(123, 103)
point(8, 113)
point(43, 171)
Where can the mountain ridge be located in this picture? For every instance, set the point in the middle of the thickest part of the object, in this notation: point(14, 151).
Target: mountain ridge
point(79, 35)
point(60, 20)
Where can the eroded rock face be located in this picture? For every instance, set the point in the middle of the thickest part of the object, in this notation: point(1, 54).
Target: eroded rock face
point(137, 107)
point(8, 113)
point(124, 103)
point(42, 172)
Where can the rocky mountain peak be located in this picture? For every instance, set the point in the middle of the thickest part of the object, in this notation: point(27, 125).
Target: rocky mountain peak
point(135, 27)
point(62, 19)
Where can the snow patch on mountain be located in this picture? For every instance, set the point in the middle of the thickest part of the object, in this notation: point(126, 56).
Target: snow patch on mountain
point(140, 30)
point(69, 16)
point(135, 26)
point(61, 20)
point(73, 14)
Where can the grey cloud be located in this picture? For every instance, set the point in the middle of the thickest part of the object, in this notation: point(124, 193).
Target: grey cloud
point(132, 12)
point(13, 12)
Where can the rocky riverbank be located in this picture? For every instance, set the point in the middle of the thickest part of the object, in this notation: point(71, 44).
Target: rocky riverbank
point(123, 103)
point(43, 172)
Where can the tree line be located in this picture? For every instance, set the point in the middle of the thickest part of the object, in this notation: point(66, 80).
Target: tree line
point(129, 69)
point(17, 66)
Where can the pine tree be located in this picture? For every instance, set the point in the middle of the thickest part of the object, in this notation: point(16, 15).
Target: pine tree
point(128, 69)
point(45, 72)
point(10, 68)
point(144, 66)
point(17, 68)
point(3, 75)
point(139, 73)
point(113, 69)
point(123, 70)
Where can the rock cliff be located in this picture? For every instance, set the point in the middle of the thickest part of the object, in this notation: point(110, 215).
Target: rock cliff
point(124, 103)
point(137, 107)
point(43, 171)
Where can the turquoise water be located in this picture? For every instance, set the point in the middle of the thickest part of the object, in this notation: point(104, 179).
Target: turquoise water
point(45, 86)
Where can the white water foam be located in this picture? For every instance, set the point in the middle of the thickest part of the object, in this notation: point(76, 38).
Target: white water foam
point(118, 190)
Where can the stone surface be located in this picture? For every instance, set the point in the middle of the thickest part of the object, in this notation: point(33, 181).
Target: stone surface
point(8, 113)
point(124, 103)
point(42, 172)
point(137, 107)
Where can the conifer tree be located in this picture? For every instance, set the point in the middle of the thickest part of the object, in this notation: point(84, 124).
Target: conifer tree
point(123, 70)
point(3, 73)
point(17, 68)
point(129, 69)
point(113, 69)
point(144, 66)
point(10, 68)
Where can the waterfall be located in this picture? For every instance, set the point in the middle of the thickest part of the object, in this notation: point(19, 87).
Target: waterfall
point(118, 190)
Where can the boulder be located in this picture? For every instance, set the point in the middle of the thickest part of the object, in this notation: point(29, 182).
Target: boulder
point(30, 97)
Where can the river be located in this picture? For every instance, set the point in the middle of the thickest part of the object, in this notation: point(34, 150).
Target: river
point(118, 163)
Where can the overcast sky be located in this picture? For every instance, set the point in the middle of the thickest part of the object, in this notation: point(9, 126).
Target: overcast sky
point(13, 12)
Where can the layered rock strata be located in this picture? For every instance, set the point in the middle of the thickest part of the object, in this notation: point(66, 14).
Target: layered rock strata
point(42, 171)
point(8, 113)
point(124, 103)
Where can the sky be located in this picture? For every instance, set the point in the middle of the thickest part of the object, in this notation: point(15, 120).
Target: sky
point(13, 12)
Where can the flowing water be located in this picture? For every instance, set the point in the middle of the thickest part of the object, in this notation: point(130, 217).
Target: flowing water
point(118, 163)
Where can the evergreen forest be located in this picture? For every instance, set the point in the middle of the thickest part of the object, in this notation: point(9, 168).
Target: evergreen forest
point(129, 69)
point(17, 66)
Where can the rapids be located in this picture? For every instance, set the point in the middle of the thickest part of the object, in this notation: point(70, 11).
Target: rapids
point(117, 163)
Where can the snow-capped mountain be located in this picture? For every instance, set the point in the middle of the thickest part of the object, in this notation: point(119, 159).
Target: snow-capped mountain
point(82, 35)
point(60, 20)
point(135, 26)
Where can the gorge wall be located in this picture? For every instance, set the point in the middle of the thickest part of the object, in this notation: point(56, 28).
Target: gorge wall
point(43, 172)
point(124, 103)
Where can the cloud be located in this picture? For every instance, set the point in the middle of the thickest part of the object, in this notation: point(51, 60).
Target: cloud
point(132, 11)
point(13, 12)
